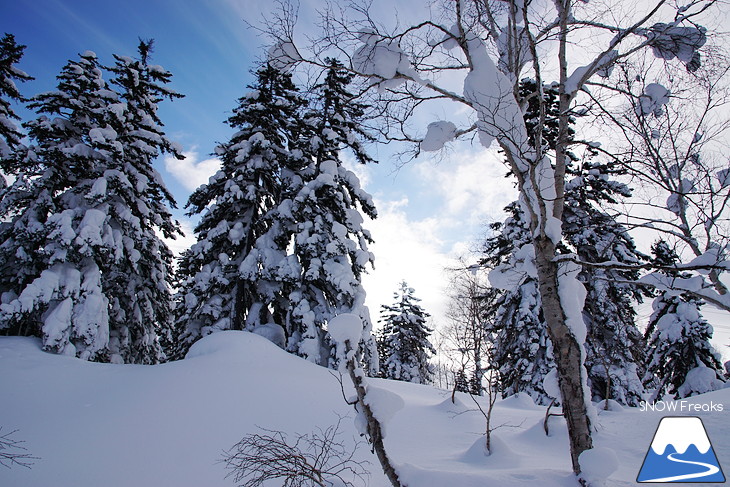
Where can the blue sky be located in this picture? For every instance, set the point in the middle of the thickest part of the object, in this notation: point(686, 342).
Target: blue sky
point(204, 44)
point(429, 211)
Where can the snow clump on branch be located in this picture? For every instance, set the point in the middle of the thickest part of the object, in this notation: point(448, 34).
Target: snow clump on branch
point(343, 328)
point(655, 96)
point(669, 41)
point(383, 58)
point(437, 135)
point(283, 56)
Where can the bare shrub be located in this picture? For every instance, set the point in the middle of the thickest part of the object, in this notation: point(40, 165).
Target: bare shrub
point(318, 459)
point(12, 451)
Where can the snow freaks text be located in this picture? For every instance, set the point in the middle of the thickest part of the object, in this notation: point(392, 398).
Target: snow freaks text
point(681, 407)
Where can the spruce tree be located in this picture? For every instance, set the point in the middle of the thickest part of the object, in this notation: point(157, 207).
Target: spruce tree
point(229, 278)
point(138, 279)
point(405, 344)
point(521, 348)
point(680, 360)
point(461, 383)
point(10, 54)
point(326, 205)
point(94, 277)
point(10, 141)
point(614, 346)
point(51, 249)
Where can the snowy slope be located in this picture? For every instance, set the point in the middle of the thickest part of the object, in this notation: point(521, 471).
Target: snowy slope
point(125, 425)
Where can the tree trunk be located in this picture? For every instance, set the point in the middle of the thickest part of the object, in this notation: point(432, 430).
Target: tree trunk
point(374, 430)
point(717, 283)
point(567, 352)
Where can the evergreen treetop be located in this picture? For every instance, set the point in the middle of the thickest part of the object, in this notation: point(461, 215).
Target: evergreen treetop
point(10, 54)
point(404, 336)
point(238, 208)
point(680, 358)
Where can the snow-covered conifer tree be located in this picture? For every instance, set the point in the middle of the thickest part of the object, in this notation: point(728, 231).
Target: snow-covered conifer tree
point(10, 135)
point(93, 277)
point(462, 383)
point(521, 348)
point(49, 254)
point(137, 280)
point(405, 344)
point(330, 244)
point(10, 54)
point(614, 347)
point(238, 208)
point(681, 360)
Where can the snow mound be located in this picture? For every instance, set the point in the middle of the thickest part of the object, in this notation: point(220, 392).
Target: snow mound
point(501, 457)
point(14, 348)
point(79, 416)
point(699, 381)
point(414, 475)
point(273, 333)
point(598, 464)
point(455, 406)
point(384, 404)
point(225, 343)
point(613, 406)
point(521, 400)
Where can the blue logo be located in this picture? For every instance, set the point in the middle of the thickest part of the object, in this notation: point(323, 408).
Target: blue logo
point(681, 452)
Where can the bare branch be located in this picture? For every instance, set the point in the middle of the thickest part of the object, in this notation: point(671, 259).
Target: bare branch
point(12, 451)
point(314, 459)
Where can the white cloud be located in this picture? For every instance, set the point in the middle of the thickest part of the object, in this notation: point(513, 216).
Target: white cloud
point(471, 184)
point(184, 242)
point(406, 250)
point(190, 172)
point(429, 216)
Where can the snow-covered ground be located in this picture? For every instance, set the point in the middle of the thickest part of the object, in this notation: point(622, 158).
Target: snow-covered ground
point(95, 425)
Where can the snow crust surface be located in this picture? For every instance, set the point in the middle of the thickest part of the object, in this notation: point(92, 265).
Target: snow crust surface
point(110, 425)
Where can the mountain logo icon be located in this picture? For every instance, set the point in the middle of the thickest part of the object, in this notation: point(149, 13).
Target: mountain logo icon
point(680, 452)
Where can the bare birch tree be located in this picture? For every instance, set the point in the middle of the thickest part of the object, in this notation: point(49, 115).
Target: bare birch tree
point(674, 152)
point(469, 315)
point(474, 53)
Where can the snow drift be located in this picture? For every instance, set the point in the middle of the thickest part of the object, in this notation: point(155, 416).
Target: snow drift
point(112, 425)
